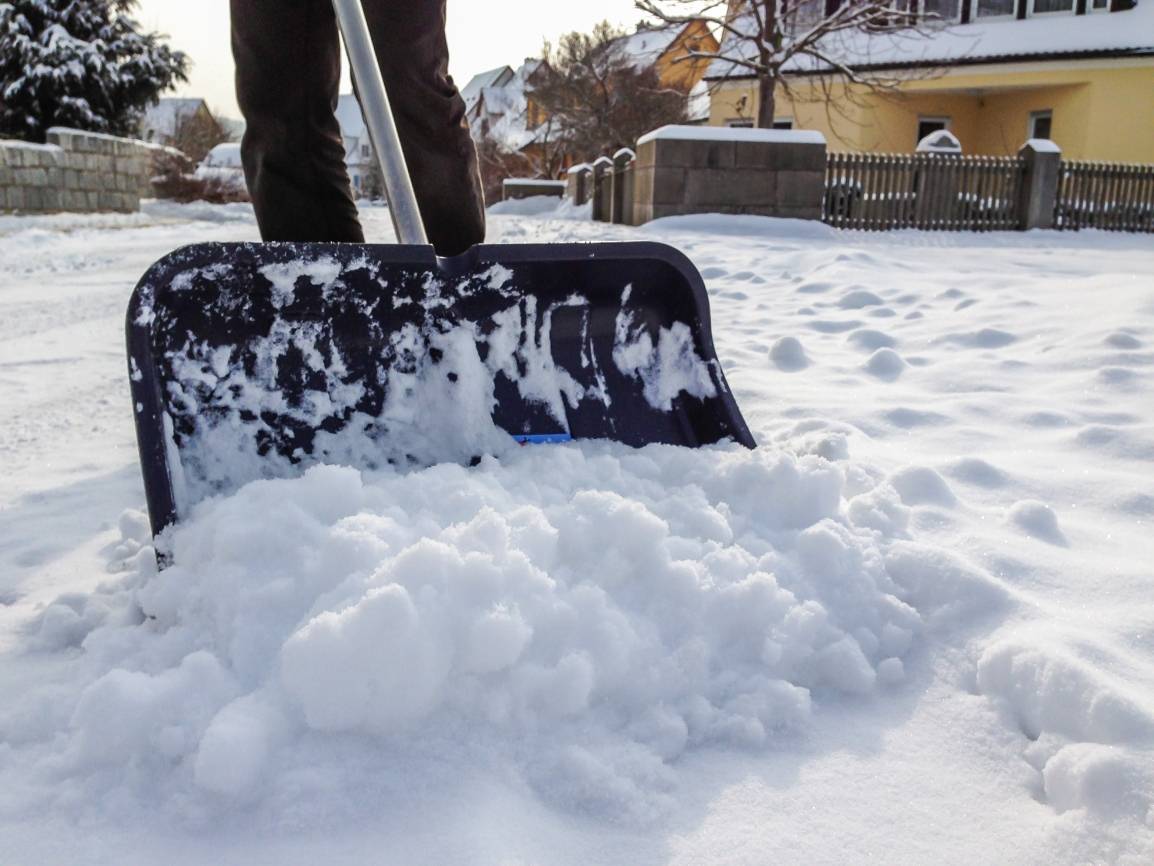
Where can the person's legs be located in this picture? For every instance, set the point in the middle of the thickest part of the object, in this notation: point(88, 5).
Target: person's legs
point(287, 77)
point(409, 36)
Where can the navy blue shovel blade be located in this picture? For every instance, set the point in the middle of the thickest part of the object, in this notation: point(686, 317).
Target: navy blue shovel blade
point(257, 360)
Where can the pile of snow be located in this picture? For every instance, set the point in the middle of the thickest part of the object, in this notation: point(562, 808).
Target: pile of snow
point(589, 614)
point(547, 206)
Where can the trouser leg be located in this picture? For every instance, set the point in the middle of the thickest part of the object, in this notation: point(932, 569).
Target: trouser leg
point(409, 36)
point(287, 77)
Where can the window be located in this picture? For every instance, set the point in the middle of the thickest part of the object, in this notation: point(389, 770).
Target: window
point(1050, 7)
point(996, 8)
point(740, 123)
point(365, 150)
point(1099, 6)
point(927, 125)
point(1040, 123)
point(941, 10)
point(357, 182)
point(783, 123)
point(803, 15)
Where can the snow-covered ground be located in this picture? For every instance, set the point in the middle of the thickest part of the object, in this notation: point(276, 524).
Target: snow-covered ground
point(914, 626)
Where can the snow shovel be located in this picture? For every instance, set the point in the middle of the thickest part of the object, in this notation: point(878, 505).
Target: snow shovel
point(252, 361)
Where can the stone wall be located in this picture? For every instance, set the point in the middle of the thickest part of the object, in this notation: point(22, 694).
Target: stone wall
point(75, 171)
point(693, 169)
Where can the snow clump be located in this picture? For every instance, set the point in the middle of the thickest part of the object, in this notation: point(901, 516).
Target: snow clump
point(589, 612)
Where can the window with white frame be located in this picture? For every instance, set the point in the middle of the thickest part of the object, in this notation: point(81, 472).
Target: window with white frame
point(997, 8)
point(783, 123)
point(740, 123)
point(1099, 6)
point(930, 125)
point(1041, 124)
point(941, 10)
point(804, 14)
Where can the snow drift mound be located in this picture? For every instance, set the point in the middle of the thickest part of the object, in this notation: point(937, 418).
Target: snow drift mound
point(584, 614)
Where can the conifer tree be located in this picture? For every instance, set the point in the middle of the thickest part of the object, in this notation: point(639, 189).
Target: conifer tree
point(84, 64)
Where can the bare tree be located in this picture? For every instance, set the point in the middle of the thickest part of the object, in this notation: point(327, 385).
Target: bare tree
point(599, 98)
point(198, 133)
point(767, 39)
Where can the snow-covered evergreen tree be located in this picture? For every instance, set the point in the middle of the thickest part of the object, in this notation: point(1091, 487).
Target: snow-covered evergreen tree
point(79, 63)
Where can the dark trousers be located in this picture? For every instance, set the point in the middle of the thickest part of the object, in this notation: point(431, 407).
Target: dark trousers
point(287, 76)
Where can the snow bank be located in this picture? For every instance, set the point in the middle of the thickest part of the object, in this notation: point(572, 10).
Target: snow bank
point(542, 206)
point(588, 613)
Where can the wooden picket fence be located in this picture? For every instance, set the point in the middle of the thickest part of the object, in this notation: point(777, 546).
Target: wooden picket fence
point(923, 191)
point(1103, 195)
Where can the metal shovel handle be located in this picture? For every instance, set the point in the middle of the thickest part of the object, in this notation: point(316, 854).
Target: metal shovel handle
point(379, 119)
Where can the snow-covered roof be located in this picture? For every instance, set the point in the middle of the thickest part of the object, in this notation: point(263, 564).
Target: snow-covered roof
point(644, 47)
point(1126, 31)
point(225, 155)
point(500, 112)
point(471, 92)
point(164, 117)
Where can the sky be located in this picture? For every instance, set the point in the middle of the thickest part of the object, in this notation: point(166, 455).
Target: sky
point(482, 35)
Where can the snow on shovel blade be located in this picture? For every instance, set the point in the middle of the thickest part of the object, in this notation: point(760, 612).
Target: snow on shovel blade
point(254, 361)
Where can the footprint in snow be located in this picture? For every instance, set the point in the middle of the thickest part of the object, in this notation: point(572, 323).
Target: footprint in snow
point(870, 340)
point(1117, 375)
point(907, 418)
point(788, 355)
point(920, 485)
point(1038, 520)
point(1122, 340)
point(973, 470)
point(858, 299)
point(986, 338)
point(885, 364)
point(827, 327)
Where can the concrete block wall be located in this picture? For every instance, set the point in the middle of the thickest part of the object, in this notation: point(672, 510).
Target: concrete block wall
point(75, 171)
point(693, 169)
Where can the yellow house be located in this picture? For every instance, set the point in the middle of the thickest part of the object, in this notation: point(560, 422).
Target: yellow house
point(668, 51)
point(1079, 72)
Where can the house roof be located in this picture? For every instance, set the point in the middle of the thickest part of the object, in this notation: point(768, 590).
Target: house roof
point(471, 92)
point(646, 46)
point(500, 111)
point(1126, 32)
point(166, 115)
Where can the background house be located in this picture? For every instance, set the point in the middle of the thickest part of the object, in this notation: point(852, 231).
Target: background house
point(360, 159)
point(994, 73)
point(667, 50)
point(162, 121)
point(184, 123)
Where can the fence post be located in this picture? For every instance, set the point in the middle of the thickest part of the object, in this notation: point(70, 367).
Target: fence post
point(620, 195)
point(600, 192)
point(577, 182)
point(1040, 183)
